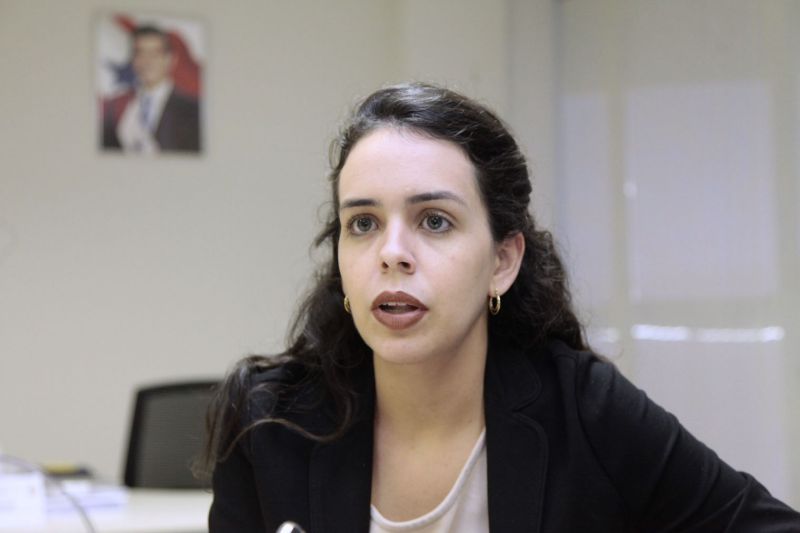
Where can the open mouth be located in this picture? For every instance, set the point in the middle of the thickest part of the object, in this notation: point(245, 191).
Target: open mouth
point(397, 308)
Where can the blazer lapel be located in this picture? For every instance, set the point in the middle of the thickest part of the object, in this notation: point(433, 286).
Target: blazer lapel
point(516, 445)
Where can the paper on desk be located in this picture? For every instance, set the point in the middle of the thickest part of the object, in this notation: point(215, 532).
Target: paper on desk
point(22, 499)
point(87, 494)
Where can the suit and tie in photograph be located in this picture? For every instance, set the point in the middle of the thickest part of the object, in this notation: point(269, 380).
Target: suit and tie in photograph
point(150, 102)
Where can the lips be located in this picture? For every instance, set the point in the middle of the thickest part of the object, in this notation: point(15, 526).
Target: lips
point(397, 310)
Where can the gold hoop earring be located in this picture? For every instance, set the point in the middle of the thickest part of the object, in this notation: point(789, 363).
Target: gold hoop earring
point(347, 304)
point(494, 303)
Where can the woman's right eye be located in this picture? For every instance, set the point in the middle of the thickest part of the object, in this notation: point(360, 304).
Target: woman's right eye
point(361, 224)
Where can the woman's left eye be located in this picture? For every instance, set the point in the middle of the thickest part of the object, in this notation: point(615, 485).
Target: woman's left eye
point(436, 223)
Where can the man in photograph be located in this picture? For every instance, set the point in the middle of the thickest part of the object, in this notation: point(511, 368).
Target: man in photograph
point(153, 116)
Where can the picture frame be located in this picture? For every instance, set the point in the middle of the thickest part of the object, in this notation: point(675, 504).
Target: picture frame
point(149, 84)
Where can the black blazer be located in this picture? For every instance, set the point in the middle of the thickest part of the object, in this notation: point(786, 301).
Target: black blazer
point(178, 128)
point(572, 446)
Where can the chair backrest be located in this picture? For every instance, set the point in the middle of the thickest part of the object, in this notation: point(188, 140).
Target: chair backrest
point(166, 434)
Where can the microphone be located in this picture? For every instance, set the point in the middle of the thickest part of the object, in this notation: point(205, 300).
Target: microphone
point(290, 527)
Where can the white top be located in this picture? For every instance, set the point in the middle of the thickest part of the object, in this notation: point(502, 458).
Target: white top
point(465, 509)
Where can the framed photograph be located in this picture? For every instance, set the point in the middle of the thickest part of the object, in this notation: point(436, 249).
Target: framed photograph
point(149, 80)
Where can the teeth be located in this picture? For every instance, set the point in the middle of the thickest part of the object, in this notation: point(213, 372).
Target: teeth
point(396, 306)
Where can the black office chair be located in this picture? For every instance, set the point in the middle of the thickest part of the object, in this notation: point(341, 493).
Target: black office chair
point(166, 434)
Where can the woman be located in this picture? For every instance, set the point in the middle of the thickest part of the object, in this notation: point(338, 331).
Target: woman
point(438, 379)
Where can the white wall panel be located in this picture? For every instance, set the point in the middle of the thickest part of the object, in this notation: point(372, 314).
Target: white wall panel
point(701, 207)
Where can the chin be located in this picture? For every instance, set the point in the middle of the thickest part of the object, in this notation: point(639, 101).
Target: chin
point(400, 351)
point(413, 354)
point(399, 359)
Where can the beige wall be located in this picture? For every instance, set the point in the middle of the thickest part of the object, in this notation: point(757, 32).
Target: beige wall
point(121, 271)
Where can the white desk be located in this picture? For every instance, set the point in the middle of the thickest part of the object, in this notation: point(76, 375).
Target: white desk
point(147, 510)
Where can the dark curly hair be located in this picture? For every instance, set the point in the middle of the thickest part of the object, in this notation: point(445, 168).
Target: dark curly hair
point(323, 339)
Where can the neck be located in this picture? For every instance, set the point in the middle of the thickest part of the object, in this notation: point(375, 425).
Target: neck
point(149, 87)
point(438, 398)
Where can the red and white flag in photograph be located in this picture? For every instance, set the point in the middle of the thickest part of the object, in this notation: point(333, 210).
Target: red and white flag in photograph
point(149, 83)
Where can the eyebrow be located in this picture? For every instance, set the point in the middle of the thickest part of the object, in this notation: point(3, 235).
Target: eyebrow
point(358, 202)
point(415, 199)
point(436, 195)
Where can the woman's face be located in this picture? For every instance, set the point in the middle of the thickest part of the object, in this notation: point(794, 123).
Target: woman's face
point(416, 252)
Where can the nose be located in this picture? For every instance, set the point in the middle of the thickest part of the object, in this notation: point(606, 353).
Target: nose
point(396, 252)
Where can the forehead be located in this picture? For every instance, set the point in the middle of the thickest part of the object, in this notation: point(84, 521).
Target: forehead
point(150, 41)
point(391, 161)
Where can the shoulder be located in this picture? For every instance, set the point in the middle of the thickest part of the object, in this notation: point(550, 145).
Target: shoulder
point(610, 411)
point(114, 106)
point(556, 372)
point(262, 371)
point(666, 477)
point(584, 377)
point(255, 459)
point(597, 385)
point(180, 101)
point(572, 361)
point(254, 389)
point(268, 387)
point(610, 427)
